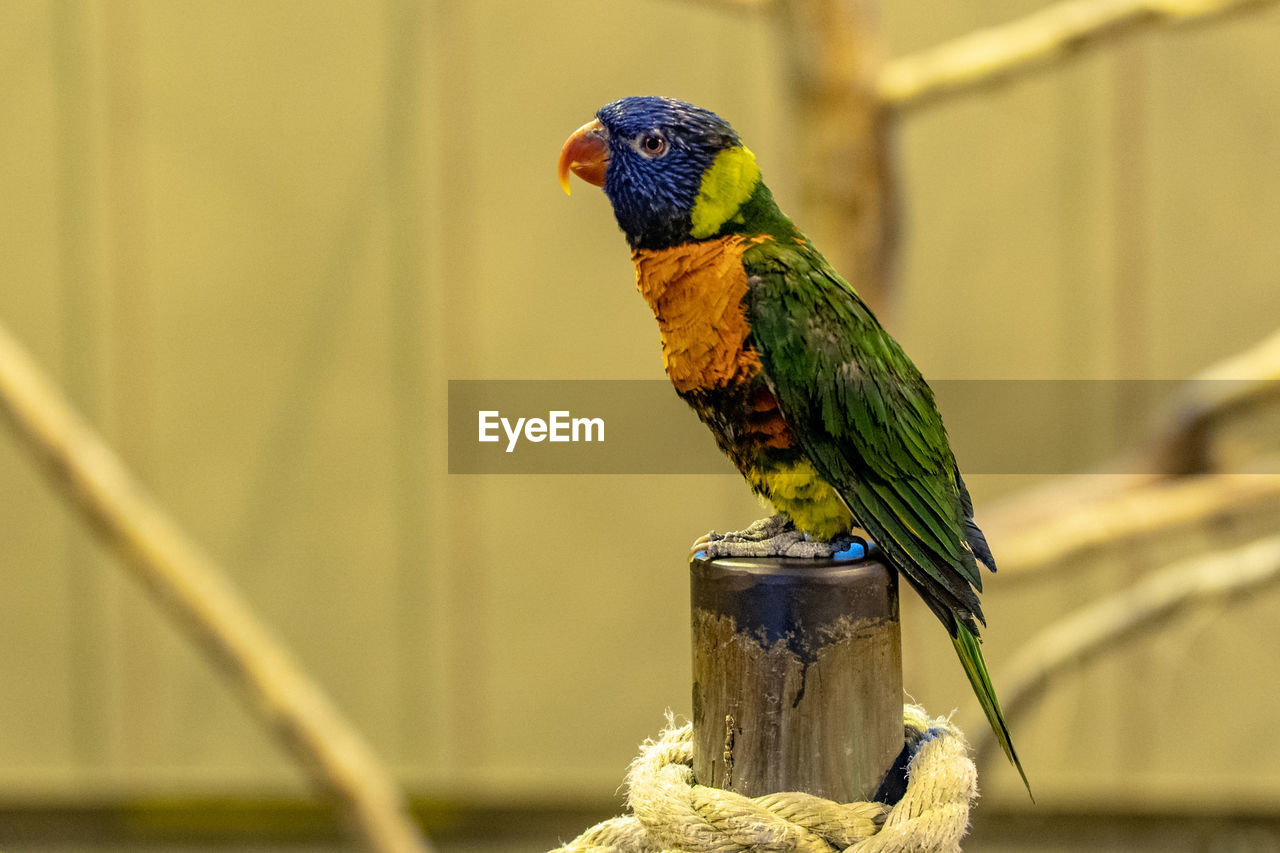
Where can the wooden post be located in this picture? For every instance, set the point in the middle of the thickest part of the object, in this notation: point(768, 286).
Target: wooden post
point(797, 676)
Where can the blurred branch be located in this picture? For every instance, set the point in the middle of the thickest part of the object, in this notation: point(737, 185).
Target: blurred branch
point(835, 54)
point(737, 5)
point(845, 93)
point(1102, 627)
point(1115, 520)
point(1072, 515)
point(1225, 391)
point(194, 591)
point(998, 53)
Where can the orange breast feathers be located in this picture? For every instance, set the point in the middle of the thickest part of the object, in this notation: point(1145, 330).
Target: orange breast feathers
point(696, 293)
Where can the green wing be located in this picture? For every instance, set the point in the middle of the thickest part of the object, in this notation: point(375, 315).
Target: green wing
point(866, 419)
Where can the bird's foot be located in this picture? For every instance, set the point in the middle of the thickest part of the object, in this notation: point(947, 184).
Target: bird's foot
point(765, 528)
point(777, 536)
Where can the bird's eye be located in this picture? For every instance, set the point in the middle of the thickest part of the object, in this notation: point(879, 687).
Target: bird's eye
point(653, 146)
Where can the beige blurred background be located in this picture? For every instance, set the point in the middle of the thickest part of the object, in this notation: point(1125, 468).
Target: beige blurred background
point(254, 240)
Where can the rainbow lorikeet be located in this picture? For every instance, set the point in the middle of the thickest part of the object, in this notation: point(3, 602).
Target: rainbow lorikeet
point(819, 408)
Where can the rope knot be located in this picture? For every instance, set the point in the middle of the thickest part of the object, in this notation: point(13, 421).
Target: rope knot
point(670, 813)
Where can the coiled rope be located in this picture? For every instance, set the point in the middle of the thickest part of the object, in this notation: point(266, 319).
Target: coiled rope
point(669, 812)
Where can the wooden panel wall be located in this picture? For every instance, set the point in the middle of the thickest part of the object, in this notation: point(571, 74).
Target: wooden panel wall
point(255, 240)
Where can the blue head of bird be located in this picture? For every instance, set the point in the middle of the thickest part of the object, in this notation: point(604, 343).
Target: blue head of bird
point(652, 156)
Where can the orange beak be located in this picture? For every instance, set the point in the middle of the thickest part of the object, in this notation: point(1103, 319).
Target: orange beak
point(586, 154)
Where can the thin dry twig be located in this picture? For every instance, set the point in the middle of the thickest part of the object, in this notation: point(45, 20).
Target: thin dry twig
point(195, 593)
point(1136, 612)
point(998, 53)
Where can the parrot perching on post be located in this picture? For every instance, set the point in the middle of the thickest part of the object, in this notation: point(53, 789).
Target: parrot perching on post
point(819, 408)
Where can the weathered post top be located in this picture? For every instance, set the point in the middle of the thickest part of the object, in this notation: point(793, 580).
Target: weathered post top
point(797, 675)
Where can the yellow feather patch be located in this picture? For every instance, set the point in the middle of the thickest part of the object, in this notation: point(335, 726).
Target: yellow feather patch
point(726, 186)
point(799, 492)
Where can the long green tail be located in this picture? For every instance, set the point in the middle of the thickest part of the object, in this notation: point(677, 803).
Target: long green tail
point(976, 668)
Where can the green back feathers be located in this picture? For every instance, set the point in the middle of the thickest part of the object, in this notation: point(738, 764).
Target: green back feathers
point(866, 419)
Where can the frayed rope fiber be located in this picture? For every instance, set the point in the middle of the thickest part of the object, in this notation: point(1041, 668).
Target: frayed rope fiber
point(669, 812)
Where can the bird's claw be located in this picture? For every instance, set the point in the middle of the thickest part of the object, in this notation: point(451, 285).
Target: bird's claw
point(776, 536)
point(757, 531)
